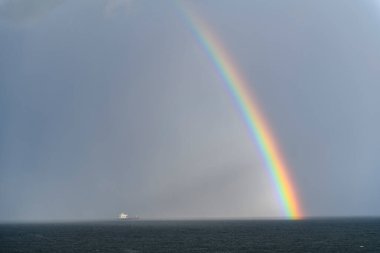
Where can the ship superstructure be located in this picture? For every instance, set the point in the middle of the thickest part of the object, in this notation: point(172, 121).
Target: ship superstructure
point(123, 216)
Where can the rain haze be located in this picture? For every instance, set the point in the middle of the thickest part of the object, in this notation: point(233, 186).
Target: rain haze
point(113, 105)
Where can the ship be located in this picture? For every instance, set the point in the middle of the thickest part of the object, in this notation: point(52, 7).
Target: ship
point(125, 217)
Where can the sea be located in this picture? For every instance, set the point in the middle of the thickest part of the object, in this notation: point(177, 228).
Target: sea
point(314, 235)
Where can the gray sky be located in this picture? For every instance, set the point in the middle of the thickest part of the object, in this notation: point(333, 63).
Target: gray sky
point(110, 106)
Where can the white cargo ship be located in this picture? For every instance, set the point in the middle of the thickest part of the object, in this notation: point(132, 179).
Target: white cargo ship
point(124, 216)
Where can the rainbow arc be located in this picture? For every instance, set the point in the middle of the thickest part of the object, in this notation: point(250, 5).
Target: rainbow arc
point(259, 130)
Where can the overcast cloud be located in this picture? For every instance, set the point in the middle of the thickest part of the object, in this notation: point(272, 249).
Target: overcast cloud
point(105, 110)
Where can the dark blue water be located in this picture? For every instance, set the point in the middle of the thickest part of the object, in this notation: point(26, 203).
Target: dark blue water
point(330, 235)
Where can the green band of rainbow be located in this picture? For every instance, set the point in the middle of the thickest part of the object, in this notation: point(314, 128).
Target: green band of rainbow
point(258, 128)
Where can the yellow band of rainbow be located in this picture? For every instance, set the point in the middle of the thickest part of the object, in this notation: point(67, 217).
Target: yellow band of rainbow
point(257, 126)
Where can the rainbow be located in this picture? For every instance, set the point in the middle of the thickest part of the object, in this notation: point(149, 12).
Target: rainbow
point(257, 126)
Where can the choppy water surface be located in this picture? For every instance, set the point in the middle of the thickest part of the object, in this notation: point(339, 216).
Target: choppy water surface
point(330, 235)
